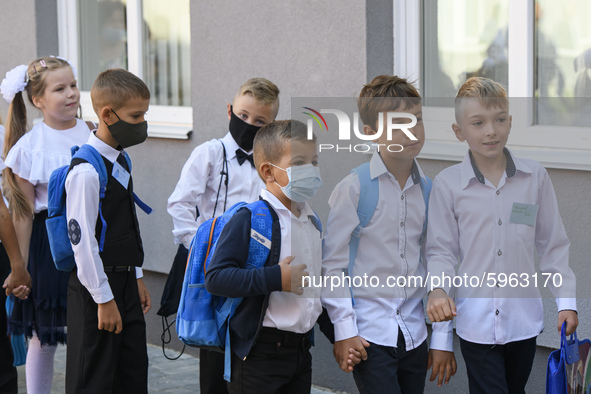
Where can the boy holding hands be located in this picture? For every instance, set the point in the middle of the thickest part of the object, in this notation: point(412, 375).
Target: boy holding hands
point(490, 211)
point(271, 330)
point(393, 360)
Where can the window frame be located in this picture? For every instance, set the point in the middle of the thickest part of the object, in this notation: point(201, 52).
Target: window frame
point(563, 147)
point(164, 121)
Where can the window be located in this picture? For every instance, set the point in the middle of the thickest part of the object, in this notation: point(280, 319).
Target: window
point(150, 38)
point(523, 45)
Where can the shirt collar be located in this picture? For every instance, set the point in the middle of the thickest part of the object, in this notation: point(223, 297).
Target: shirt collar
point(105, 150)
point(470, 170)
point(303, 207)
point(274, 201)
point(377, 168)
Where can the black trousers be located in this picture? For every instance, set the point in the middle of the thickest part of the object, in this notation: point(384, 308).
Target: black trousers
point(211, 372)
point(498, 369)
point(392, 370)
point(279, 363)
point(8, 376)
point(100, 361)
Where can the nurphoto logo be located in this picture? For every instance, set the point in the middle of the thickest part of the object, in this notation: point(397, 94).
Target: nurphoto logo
point(344, 131)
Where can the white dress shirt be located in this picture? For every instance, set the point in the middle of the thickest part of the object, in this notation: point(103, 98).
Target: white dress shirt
point(470, 221)
point(299, 238)
point(199, 183)
point(41, 151)
point(82, 204)
point(388, 246)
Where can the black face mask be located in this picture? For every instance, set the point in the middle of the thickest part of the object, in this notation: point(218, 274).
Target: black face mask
point(242, 132)
point(128, 134)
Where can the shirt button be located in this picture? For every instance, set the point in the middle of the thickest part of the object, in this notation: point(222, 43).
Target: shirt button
point(402, 197)
point(499, 252)
point(310, 304)
point(401, 224)
point(498, 192)
point(398, 311)
point(497, 312)
point(401, 255)
point(278, 344)
point(500, 222)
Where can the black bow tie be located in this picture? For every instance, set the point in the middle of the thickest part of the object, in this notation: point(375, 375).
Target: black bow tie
point(241, 156)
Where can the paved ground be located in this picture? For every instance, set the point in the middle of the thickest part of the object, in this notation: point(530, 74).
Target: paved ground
point(164, 376)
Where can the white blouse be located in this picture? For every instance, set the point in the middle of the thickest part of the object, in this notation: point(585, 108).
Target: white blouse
point(41, 151)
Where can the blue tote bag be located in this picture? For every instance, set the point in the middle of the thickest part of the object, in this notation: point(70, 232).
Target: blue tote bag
point(568, 367)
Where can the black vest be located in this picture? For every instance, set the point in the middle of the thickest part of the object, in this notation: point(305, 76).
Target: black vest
point(123, 244)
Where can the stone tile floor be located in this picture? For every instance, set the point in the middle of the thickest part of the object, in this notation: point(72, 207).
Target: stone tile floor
point(164, 376)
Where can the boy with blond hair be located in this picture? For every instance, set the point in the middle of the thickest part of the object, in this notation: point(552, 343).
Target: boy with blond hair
point(488, 214)
point(272, 329)
point(218, 174)
point(386, 327)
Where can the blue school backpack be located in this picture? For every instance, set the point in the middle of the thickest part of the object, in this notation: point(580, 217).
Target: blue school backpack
point(203, 319)
point(56, 223)
point(368, 201)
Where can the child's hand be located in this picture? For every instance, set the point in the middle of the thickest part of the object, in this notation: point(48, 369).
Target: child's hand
point(21, 292)
point(145, 299)
point(355, 356)
point(19, 278)
point(572, 321)
point(344, 352)
point(291, 276)
point(444, 365)
point(440, 306)
point(109, 317)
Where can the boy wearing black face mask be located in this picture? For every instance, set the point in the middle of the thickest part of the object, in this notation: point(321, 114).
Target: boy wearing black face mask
point(106, 296)
point(218, 174)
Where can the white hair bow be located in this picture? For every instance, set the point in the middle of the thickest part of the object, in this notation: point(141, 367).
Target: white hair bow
point(14, 82)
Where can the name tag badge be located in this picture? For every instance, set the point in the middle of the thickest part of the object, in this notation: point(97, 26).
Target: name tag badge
point(120, 174)
point(524, 213)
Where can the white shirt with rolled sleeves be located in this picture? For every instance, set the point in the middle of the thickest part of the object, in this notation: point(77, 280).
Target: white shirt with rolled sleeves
point(198, 187)
point(301, 239)
point(82, 205)
point(471, 221)
point(388, 247)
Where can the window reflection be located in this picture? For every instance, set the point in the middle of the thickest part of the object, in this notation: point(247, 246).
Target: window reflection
point(563, 62)
point(462, 39)
point(103, 38)
point(167, 51)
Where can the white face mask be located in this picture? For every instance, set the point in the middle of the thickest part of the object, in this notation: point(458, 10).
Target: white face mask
point(303, 183)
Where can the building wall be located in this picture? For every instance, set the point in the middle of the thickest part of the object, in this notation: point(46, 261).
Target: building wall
point(18, 44)
point(297, 45)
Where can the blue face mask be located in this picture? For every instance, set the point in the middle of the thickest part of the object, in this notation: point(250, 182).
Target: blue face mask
point(303, 183)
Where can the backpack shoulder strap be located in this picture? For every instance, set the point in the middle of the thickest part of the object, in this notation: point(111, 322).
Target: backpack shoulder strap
point(315, 219)
point(261, 234)
point(89, 154)
point(368, 201)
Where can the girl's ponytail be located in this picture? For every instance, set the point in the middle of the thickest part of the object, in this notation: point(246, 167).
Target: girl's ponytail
point(16, 127)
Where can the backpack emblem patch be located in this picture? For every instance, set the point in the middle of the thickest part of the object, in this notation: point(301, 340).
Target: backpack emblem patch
point(74, 232)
